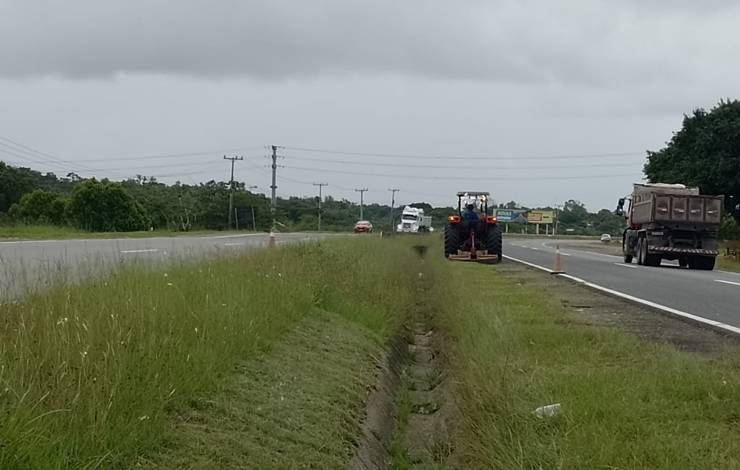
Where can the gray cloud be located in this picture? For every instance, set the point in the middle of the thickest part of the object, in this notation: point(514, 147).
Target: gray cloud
point(108, 80)
point(590, 42)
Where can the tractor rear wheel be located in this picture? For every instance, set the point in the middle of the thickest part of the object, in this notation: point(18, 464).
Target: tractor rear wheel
point(494, 242)
point(452, 240)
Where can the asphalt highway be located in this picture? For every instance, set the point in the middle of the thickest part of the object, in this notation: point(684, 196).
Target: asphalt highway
point(34, 264)
point(712, 296)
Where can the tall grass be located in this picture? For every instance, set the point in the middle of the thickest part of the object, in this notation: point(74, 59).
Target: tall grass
point(89, 373)
point(625, 403)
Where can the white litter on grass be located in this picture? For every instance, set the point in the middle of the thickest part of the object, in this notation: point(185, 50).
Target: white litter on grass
point(547, 411)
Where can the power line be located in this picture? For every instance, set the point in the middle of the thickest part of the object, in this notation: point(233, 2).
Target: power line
point(173, 155)
point(457, 167)
point(463, 157)
point(453, 177)
point(45, 157)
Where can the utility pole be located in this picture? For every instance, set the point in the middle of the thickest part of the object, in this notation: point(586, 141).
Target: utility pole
point(362, 194)
point(393, 203)
point(273, 187)
point(320, 185)
point(231, 186)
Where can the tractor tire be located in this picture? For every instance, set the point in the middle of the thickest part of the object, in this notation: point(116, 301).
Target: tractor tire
point(494, 242)
point(452, 240)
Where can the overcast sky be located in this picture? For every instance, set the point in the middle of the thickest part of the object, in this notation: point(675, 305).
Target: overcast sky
point(535, 101)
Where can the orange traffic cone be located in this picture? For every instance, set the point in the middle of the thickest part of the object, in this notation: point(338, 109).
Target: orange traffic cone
point(557, 268)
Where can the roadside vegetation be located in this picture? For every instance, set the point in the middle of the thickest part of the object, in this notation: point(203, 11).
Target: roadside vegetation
point(104, 374)
point(624, 402)
point(54, 232)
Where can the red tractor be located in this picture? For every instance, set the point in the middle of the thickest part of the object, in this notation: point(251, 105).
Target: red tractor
point(473, 234)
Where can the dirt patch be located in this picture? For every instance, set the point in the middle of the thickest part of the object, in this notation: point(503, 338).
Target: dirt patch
point(587, 307)
point(374, 449)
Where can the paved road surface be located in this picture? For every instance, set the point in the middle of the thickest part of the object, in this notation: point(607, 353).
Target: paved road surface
point(35, 263)
point(712, 295)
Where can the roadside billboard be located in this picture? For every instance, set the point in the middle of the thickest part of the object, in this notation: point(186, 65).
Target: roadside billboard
point(510, 215)
point(540, 217)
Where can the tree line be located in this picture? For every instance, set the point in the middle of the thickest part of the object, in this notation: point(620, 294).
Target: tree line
point(705, 153)
point(30, 197)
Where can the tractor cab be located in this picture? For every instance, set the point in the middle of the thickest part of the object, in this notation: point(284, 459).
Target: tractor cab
point(473, 234)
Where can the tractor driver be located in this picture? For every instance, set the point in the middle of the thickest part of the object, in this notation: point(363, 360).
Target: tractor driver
point(470, 213)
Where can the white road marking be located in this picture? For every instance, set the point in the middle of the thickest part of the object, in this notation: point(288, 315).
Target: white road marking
point(237, 236)
point(233, 244)
point(565, 254)
point(626, 265)
point(727, 282)
point(148, 250)
point(631, 298)
point(533, 248)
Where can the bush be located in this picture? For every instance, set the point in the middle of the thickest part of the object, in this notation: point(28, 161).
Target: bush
point(730, 229)
point(40, 207)
point(106, 207)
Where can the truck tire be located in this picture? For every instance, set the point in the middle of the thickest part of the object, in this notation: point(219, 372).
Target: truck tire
point(452, 240)
point(640, 255)
point(704, 263)
point(627, 255)
point(649, 259)
point(494, 242)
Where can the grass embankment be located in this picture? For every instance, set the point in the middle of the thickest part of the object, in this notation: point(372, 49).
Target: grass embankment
point(728, 263)
point(625, 403)
point(51, 232)
point(102, 375)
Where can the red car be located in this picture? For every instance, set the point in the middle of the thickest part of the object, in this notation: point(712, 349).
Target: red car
point(363, 226)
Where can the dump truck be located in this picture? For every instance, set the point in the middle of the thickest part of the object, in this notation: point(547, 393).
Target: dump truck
point(671, 222)
point(473, 236)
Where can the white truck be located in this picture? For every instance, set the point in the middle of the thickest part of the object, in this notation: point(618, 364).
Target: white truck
point(413, 220)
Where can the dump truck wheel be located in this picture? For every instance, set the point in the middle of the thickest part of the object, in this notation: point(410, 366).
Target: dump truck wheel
point(494, 242)
point(627, 256)
point(452, 240)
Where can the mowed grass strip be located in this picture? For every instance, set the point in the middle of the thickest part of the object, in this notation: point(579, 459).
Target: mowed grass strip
point(91, 376)
point(299, 406)
point(625, 403)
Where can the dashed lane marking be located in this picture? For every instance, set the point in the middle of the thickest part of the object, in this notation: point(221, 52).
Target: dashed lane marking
point(148, 250)
point(727, 282)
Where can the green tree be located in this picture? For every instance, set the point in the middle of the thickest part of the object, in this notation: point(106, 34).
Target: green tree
point(705, 153)
point(40, 207)
point(106, 207)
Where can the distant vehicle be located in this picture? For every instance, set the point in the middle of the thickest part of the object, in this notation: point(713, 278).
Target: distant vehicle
point(413, 220)
point(606, 238)
point(363, 226)
point(671, 221)
point(473, 234)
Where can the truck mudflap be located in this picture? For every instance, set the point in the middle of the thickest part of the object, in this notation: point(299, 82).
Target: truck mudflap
point(685, 251)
